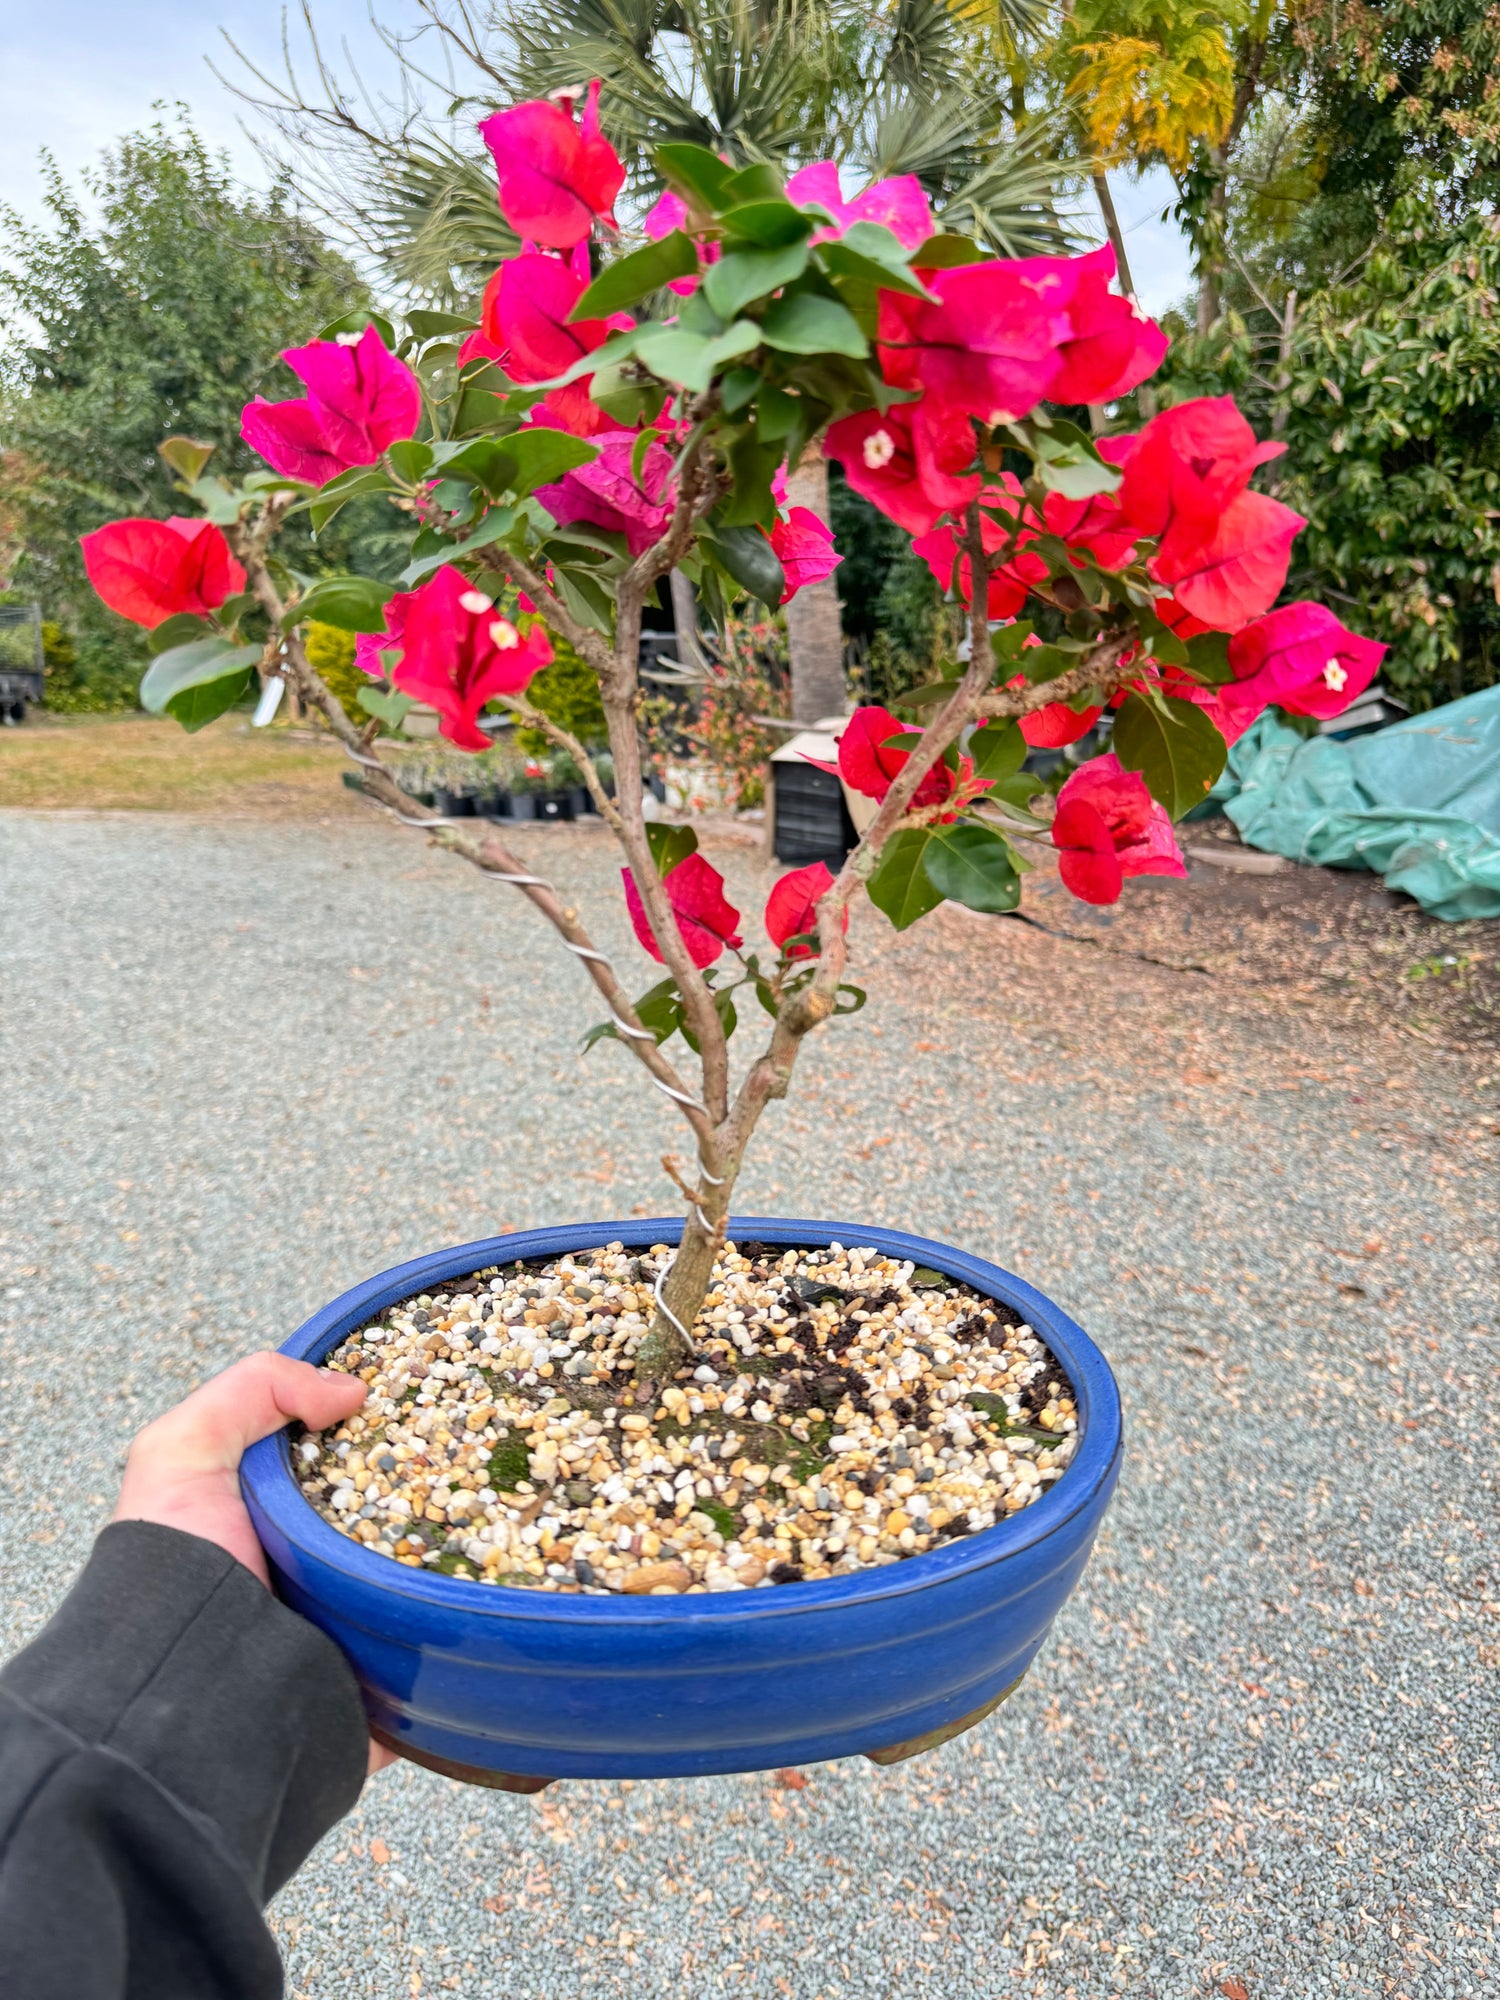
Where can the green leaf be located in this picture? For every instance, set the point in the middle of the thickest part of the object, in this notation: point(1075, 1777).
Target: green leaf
point(998, 750)
point(1208, 658)
point(428, 325)
point(195, 665)
point(900, 885)
point(753, 184)
point(630, 279)
point(746, 555)
point(772, 224)
point(220, 502)
point(411, 459)
point(348, 486)
point(842, 261)
point(495, 526)
point(669, 844)
point(925, 697)
point(195, 707)
point(751, 502)
point(356, 322)
point(1067, 459)
point(743, 275)
point(738, 388)
point(389, 708)
point(697, 174)
point(1175, 748)
point(542, 456)
point(353, 603)
point(728, 1019)
point(185, 456)
point(177, 631)
point(480, 410)
point(942, 253)
point(587, 600)
point(974, 865)
point(809, 324)
point(689, 358)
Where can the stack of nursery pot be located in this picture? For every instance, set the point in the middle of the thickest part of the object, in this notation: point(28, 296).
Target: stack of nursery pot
point(714, 1493)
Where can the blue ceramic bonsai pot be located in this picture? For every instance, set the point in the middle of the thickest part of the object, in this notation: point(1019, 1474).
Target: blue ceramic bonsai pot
point(516, 1687)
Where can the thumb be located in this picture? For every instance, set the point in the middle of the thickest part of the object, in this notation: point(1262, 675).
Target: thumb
point(212, 1428)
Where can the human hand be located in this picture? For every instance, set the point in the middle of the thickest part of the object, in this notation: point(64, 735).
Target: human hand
point(183, 1471)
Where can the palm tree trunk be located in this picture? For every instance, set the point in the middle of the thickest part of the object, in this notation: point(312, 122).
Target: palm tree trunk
point(815, 637)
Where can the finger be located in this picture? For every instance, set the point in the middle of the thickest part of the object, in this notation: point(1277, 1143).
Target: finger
point(214, 1426)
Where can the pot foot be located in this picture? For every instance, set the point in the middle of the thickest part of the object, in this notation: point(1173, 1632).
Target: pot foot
point(464, 1774)
point(897, 1753)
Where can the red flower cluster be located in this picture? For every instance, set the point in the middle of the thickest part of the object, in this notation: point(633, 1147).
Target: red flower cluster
point(457, 652)
point(524, 327)
point(869, 762)
point(360, 399)
point(705, 919)
point(150, 571)
point(555, 177)
point(1108, 827)
point(792, 908)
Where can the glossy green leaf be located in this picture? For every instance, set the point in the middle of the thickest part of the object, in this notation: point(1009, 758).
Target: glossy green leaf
point(669, 844)
point(810, 324)
point(743, 275)
point(587, 600)
point(698, 175)
point(847, 264)
point(998, 750)
point(751, 502)
point(428, 325)
point(352, 603)
point(1208, 658)
point(411, 459)
point(205, 701)
point(738, 388)
point(973, 865)
point(542, 456)
point(1175, 748)
point(495, 526)
point(752, 184)
point(178, 631)
point(925, 697)
point(901, 885)
point(348, 486)
point(630, 279)
point(689, 359)
point(389, 708)
point(185, 456)
point(219, 502)
point(942, 253)
point(746, 555)
point(197, 664)
point(356, 322)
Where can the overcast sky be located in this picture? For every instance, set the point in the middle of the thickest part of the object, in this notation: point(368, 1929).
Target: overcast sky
point(75, 74)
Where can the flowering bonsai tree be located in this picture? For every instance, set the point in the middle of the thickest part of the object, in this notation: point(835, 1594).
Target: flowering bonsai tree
point(617, 414)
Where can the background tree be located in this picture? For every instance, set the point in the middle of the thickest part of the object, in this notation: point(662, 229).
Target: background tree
point(155, 298)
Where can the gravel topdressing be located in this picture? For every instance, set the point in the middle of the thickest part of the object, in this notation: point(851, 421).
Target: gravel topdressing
point(844, 1409)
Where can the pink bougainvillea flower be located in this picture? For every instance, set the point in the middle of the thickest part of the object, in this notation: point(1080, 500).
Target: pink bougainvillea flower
point(704, 917)
point(1096, 524)
point(149, 571)
point(804, 545)
point(607, 494)
point(988, 341)
point(1189, 465)
point(1236, 571)
point(1302, 659)
point(555, 176)
point(1178, 620)
point(458, 651)
point(898, 204)
point(1052, 727)
point(368, 646)
point(1114, 347)
point(869, 761)
point(524, 328)
point(1107, 828)
point(670, 213)
point(360, 399)
point(792, 908)
point(912, 463)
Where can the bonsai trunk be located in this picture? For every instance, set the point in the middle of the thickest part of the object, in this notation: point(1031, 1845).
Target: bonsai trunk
point(815, 636)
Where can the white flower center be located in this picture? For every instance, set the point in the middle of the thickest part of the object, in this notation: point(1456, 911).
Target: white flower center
point(1001, 417)
point(1334, 676)
point(504, 634)
point(880, 449)
point(477, 602)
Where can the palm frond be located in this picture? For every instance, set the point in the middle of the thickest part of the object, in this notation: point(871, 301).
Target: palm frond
point(1010, 201)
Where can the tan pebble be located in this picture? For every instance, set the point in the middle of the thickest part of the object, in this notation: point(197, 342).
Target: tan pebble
point(635, 1425)
point(648, 1578)
point(751, 1570)
point(896, 1520)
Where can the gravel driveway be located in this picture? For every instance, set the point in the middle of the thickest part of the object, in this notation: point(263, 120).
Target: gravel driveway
point(244, 1064)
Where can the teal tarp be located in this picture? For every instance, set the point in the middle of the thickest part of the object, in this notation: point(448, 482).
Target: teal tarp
point(1418, 803)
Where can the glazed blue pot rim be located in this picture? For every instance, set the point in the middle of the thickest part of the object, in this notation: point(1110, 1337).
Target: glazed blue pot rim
point(266, 1469)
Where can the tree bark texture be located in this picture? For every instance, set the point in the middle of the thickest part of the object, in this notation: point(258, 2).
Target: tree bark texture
point(815, 635)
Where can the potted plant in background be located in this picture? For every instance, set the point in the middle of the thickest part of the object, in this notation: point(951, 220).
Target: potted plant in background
point(698, 1495)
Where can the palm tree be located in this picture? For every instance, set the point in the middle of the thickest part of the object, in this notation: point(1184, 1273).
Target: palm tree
point(884, 86)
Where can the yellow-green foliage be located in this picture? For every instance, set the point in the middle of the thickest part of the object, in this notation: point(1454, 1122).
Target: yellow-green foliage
point(1151, 77)
point(567, 691)
point(330, 653)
